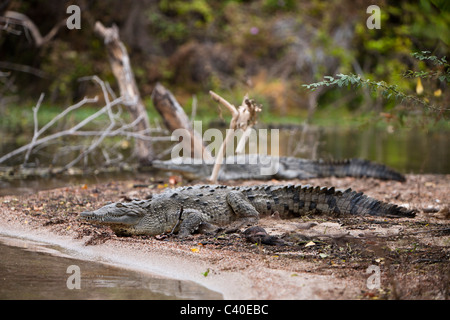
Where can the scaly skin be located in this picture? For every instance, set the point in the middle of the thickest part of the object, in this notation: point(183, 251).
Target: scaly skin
point(184, 209)
point(248, 167)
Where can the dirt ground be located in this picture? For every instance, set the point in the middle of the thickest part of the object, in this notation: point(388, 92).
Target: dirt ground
point(322, 257)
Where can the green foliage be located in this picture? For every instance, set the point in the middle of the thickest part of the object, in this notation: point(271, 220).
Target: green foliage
point(425, 55)
point(442, 75)
point(196, 45)
point(391, 90)
point(167, 29)
point(279, 5)
point(388, 91)
point(180, 7)
point(384, 54)
point(173, 19)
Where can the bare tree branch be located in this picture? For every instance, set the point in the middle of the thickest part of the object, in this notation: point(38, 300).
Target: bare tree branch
point(23, 68)
point(48, 138)
point(21, 19)
point(36, 132)
point(115, 127)
point(121, 67)
point(244, 117)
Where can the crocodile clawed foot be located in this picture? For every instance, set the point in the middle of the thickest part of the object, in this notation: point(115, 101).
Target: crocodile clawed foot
point(257, 234)
point(232, 228)
point(183, 236)
point(208, 229)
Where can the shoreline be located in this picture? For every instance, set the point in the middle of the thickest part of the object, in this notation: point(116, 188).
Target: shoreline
point(180, 264)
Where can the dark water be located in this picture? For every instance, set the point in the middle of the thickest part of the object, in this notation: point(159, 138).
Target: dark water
point(30, 270)
point(407, 150)
point(33, 185)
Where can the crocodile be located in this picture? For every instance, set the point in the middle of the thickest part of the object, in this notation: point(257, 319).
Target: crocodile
point(185, 209)
point(264, 167)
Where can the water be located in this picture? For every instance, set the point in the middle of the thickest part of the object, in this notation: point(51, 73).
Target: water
point(35, 184)
point(408, 151)
point(31, 270)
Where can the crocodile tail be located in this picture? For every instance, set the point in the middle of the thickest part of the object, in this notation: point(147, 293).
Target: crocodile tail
point(298, 200)
point(363, 168)
point(356, 203)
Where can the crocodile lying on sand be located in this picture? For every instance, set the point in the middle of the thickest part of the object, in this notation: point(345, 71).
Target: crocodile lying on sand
point(259, 167)
point(185, 209)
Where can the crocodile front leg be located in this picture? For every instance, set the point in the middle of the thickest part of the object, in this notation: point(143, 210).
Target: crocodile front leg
point(191, 221)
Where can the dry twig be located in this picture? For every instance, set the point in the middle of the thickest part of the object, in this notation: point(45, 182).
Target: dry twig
point(121, 67)
point(244, 117)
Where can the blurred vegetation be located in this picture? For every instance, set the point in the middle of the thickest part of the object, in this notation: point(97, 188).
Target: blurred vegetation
point(268, 48)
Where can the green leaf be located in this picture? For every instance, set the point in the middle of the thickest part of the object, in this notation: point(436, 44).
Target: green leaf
point(205, 274)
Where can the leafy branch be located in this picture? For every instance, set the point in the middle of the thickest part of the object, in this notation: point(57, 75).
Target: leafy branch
point(391, 90)
point(425, 55)
point(439, 62)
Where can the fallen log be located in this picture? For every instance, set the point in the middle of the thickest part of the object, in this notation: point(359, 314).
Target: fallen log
point(175, 118)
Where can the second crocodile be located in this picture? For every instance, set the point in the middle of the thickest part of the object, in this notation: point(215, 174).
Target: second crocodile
point(259, 167)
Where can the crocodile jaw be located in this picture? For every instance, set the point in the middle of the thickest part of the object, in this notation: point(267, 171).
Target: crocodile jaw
point(121, 218)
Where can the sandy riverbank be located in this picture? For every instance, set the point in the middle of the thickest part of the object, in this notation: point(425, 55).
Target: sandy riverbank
point(326, 257)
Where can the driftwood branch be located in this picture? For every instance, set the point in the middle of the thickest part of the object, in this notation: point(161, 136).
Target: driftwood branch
point(17, 18)
point(38, 133)
point(244, 117)
point(175, 118)
point(23, 68)
point(115, 127)
point(121, 67)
